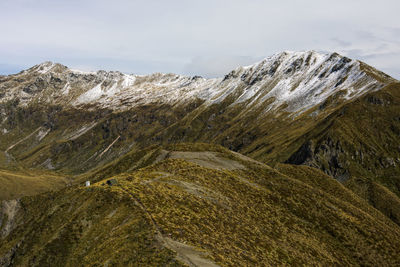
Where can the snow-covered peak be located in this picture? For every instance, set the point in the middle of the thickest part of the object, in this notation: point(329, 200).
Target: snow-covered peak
point(295, 81)
point(46, 67)
point(289, 62)
point(300, 80)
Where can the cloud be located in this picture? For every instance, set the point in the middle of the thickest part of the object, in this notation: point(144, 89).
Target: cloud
point(216, 66)
point(341, 42)
point(203, 37)
point(382, 59)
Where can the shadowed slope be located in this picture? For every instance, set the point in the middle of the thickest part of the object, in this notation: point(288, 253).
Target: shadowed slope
point(252, 215)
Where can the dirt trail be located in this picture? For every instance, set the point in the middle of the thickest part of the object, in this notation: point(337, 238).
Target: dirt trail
point(189, 254)
point(185, 253)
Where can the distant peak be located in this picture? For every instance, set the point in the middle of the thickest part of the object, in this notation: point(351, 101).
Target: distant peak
point(305, 54)
point(289, 59)
point(300, 53)
point(47, 66)
point(46, 63)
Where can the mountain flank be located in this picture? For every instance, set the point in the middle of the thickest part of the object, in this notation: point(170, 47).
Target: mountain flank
point(292, 160)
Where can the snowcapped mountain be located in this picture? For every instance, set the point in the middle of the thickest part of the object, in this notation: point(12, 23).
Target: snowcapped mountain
point(296, 80)
point(289, 107)
point(180, 160)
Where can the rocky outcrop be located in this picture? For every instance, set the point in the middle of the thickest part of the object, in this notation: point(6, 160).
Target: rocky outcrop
point(8, 213)
point(327, 155)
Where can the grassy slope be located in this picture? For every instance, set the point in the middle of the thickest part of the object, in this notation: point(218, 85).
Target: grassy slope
point(249, 216)
point(15, 184)
point(361, 146)
point(358, 140)
point(79, 226)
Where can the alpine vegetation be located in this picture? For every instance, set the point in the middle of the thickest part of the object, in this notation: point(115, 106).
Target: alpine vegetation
point(293, 160)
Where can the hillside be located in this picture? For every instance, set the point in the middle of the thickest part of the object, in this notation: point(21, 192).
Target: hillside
point(292, 160)
point(256, 110)
point(202, 206)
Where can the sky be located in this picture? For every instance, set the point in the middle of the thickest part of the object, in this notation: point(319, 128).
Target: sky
point(207, 38)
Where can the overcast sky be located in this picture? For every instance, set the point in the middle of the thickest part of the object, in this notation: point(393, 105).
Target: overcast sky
point(207, 37)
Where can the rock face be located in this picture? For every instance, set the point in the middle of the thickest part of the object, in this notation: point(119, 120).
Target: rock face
point(254, 109)
point(8, 222)
point(322, 110)
point(326, 152)
point(299, 80)
point(201, 205)
point(155, 139)
point(9, 209)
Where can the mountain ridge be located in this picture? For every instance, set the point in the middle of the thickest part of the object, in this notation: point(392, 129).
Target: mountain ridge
point(266, 80)
point(232, 211)
point(298, 155)
point(237, 114)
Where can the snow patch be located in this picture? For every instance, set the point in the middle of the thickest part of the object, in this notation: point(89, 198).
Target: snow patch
point(294, 80)
point(42, 133)
point(128, 80)
point(45, 67)
point(65, 90)
point(83, 72)
point(92, 95)
point(81, 131)
point(47, 164)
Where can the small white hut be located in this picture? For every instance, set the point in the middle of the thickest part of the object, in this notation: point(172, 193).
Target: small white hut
point(87, 183)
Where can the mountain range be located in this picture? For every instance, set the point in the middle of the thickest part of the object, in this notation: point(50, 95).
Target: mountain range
point(292, 160)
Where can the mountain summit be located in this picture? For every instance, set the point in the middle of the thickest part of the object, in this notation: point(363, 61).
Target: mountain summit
point(292, 160)
point(299, 80)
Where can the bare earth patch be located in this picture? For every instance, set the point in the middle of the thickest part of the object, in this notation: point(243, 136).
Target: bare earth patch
point(207, 159)
point(188, 254)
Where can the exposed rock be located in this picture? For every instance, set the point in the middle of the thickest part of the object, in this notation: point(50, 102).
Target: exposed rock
point(7, 259)
point(303, 155)
point(111, 182)
point(374, 100)
point(8, 212)
point(327, 151)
